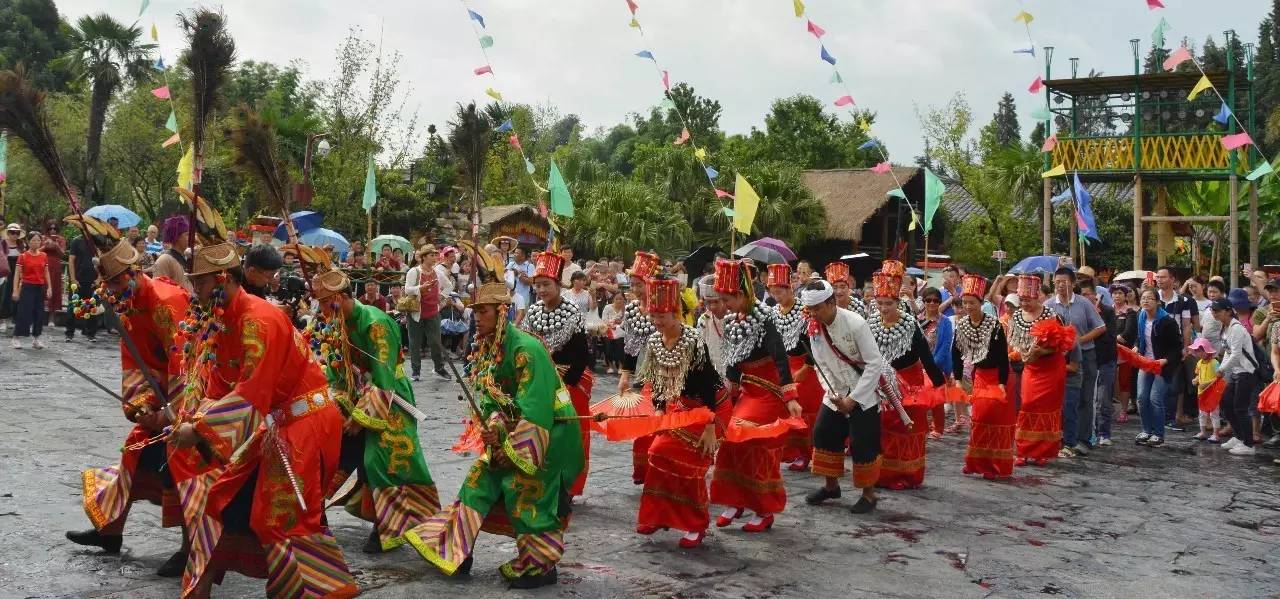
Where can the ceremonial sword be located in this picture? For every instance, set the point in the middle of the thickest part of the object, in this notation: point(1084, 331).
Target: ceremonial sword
point(86, 377)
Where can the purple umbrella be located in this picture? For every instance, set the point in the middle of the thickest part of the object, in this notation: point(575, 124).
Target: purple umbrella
point(776, 245)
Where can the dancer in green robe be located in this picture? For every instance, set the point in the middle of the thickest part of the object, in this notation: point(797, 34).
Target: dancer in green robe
point(360, 346)
point(519, 485)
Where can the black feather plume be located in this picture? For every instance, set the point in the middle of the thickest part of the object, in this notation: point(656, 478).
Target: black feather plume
point(210, 56)
point(22, 115)
point(254, 155)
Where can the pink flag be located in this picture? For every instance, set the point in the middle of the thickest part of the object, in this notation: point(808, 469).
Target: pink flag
point(844, 100)
point(684, 136)
point(1154, 4)
point(515, 141)
point(172, 140)
point(1178, 57)
point(1231, 142)
point(815, 30)
point(484, 69)
point(161, 92)
point(881, 168)
point(666, 80)
point(631, 6)
point(1050, 144)
point(720, 193)
point(1036, 85)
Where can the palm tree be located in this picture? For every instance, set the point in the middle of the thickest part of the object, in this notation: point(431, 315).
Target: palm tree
point(624, 216)
point(107, 54)
point(470, 135)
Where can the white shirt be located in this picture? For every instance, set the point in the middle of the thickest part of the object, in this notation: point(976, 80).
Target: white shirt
point(711, 330)
point(852, 336)
point(446, 283)
point(412, 280)
point(581, 299)
point(1146, 332)
point(566, 277)
point(610, 314)
point(1237, 341)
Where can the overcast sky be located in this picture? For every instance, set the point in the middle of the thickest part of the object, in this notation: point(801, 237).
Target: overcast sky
point(895, 55)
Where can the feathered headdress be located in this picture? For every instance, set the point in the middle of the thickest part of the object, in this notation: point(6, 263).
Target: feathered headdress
point(487, 265)
point(314, 259)
point(22, 114)
point(254, 155)
point(209, 228)
point(103, 235)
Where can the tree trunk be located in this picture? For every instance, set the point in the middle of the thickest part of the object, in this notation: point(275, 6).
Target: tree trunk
point(93, 146)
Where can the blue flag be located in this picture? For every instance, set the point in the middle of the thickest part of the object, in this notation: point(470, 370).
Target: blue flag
point(827, 55)
point(1224, 115)
point(1062, 197)
point(160, 63)
point(1031, 50)
point(475, 16)
point(712, 174)
point(504, 127)
point(867, 145)
point(646, 54)
point(1084, 212)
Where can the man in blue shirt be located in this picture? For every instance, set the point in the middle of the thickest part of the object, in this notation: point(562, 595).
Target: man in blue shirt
point(950, 289)
point(1077, 428)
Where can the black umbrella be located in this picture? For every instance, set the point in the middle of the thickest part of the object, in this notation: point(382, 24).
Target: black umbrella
point(698, 260)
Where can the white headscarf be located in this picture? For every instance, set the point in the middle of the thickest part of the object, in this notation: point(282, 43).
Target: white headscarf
point(813, 297)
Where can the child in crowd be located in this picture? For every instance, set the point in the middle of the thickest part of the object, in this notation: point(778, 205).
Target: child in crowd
point(1206, 374)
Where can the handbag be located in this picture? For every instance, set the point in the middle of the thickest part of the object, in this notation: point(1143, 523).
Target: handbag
point(409, 304)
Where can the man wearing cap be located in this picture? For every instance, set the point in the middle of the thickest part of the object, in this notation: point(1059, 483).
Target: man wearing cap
point(423, 282)
point(519, 485)
point(559, 326)
point(637, 326)
point(837, 274)
point(1086, 275)
point(149, 310)
point(844, 351)
point(264, 410)
point(791, 322)
point(360, 348)
point(711, 322)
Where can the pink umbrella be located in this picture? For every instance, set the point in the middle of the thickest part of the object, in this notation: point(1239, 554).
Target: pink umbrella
point(776, 245)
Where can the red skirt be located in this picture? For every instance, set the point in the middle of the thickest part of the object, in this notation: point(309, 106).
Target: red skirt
point(640, 458)
point(902, 450)
point(747, 474)
point(990, 449)
point(580, 395)
point(1124, 377)
point(1039, 433)
point(798, 444)
point(675, 487)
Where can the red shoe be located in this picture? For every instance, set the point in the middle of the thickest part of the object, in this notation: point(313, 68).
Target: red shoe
point(800, 466)
point(687, 543)
point(722, 522)
point(1122, 418)
point(989, 476)
point(1020, 462)
point(765, 524)
point(898, 486)
point(967, 470)
point(646, 529)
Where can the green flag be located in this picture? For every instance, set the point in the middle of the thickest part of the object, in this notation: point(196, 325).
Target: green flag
point(561, 203)
point(933, 190)
point(172, 123)
point(370, 187)
point(4, 148)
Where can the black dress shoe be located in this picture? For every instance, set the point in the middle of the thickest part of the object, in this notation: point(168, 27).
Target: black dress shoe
point(373, 544)
point(1272, 443)
point(464, 569)
point(173, 567)
point(863, 506)
point(109, 543)
point(822, 494)
point(533, 581)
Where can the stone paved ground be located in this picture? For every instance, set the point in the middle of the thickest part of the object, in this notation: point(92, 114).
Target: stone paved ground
point(1181, 521)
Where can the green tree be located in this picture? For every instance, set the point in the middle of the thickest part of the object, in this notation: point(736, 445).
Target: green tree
point(107, 54)
point(29, 196)
point(620, 217)
point(34, 34)
point(470, 136)
point(137, 171)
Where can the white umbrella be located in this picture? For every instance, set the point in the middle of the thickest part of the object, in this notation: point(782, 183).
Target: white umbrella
point(1132, 275)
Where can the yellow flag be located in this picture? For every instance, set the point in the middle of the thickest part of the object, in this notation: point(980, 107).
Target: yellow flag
point(634, 24)
point(155, 36)
point(745, 202)
point(914, 221)
point(799, 6)
point(700, 153)
point(1201, 85)
point(493, 93)
point(1025, 17)
point(864, 125)
point(1057, 171)
point(186, 167)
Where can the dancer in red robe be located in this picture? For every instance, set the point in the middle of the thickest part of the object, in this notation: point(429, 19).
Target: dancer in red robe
point(638, 327)
point(679, 376)
point(980, 348)
point(747, 474)
point(1044, 375)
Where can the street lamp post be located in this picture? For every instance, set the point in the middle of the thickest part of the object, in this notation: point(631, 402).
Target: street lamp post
point(303, 192)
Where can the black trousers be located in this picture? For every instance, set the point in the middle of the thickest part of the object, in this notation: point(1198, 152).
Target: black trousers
point(28, 319)
point(861, 428)
point(1239, 397)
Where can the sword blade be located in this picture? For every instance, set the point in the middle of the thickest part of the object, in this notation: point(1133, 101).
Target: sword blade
point(86, 377)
